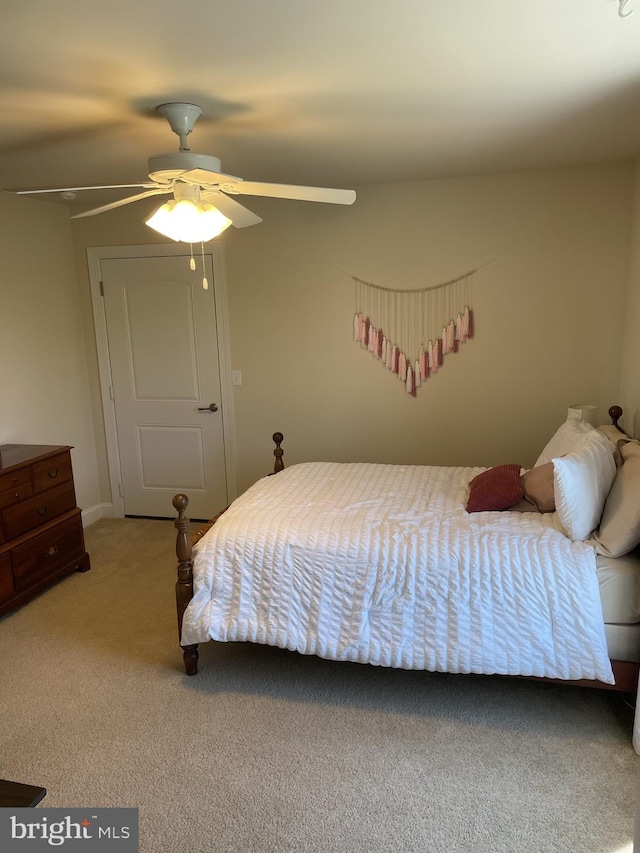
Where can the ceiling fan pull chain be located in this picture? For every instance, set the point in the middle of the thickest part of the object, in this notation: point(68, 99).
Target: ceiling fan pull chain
point(192, 263)
point(205, 283)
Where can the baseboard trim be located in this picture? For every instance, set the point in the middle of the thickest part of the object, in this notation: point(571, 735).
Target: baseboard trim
point(96, 512)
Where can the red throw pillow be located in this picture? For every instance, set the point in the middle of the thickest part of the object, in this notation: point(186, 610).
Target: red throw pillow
point(497, 488)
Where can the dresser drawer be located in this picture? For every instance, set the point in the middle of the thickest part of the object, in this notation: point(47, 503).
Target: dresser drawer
point(17, 478)
point(47, 552)
point(15, 494)
point(51, 472)
point(37, 510)
point(7, 589)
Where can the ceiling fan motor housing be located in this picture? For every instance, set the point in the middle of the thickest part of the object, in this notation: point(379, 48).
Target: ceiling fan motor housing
point(164, 168)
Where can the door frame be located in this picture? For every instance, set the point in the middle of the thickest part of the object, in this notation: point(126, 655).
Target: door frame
point(95, 255)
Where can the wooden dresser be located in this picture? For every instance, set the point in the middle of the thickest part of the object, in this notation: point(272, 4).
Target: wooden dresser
point(41, 536)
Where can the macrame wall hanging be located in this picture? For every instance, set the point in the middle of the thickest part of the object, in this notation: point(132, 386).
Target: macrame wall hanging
point(411, 331)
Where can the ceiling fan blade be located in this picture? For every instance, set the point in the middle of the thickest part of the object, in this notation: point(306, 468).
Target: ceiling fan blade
point(79, 189)
point(239, 215)
point(205, 177)
point(330, 196)
point(121, 202)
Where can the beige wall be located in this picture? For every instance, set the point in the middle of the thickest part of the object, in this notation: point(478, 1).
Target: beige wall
point(549, 310)
point(549, 315)
point(44, 385)
point(630, 372)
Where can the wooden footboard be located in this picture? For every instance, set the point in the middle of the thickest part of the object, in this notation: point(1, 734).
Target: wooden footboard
point(185, 543)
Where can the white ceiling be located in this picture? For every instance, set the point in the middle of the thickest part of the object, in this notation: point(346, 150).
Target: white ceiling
point(320, 92)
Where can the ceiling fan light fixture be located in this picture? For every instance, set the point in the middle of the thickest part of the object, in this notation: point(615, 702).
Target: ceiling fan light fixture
point(187, 221)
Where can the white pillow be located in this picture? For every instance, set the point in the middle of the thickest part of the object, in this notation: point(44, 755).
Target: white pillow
point(563, 441)
point(581, 482)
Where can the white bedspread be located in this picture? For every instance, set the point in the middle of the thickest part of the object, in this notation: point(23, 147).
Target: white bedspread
point(382, 564)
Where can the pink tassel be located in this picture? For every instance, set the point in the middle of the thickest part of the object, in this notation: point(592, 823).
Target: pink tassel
point(382, 344)
point(417, 380)
point(409, 380)
point(402, 373)
point(452, 336)
point(356, 327)
point(465, 326)
point(396, 359)
point(470, 330)
point(445, 341)
point(389, 354)
point(365, 337)
point(459, 327)
point(440, 355)
point(424, 365)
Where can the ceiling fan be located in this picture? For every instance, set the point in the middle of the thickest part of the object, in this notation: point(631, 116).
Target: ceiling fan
point(197, 179)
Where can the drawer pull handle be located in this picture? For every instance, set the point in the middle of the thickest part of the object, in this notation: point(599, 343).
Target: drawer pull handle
point(51, 552)
point(43, 510)
point(53, 474)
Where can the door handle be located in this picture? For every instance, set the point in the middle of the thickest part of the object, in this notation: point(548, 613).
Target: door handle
point(212, 407)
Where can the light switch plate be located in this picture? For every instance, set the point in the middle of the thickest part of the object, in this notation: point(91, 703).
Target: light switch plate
point(236, 377)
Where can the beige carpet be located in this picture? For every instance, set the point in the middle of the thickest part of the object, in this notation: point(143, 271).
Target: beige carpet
point(266, 751)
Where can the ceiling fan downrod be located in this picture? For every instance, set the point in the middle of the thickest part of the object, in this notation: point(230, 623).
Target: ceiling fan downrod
point(181, 117)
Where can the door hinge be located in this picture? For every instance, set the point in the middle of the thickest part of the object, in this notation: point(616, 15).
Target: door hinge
point(112, 393)
point(120, 492)
point(101, 289)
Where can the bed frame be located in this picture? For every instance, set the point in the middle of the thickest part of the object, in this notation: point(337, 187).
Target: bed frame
point(625, 672)
point(184, 553)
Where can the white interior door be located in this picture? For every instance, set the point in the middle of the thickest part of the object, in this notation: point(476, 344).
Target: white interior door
point(165, 374)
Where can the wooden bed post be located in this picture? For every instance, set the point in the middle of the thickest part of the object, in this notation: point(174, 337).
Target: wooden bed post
point(615, 413)
point(184, 584)
point(184, 552)
point(278, 452)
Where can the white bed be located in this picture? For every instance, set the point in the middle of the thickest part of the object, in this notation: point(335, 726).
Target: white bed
point(385, 565)
point(381, 564)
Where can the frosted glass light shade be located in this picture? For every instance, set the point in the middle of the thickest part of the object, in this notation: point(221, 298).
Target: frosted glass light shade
point(188, 222)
